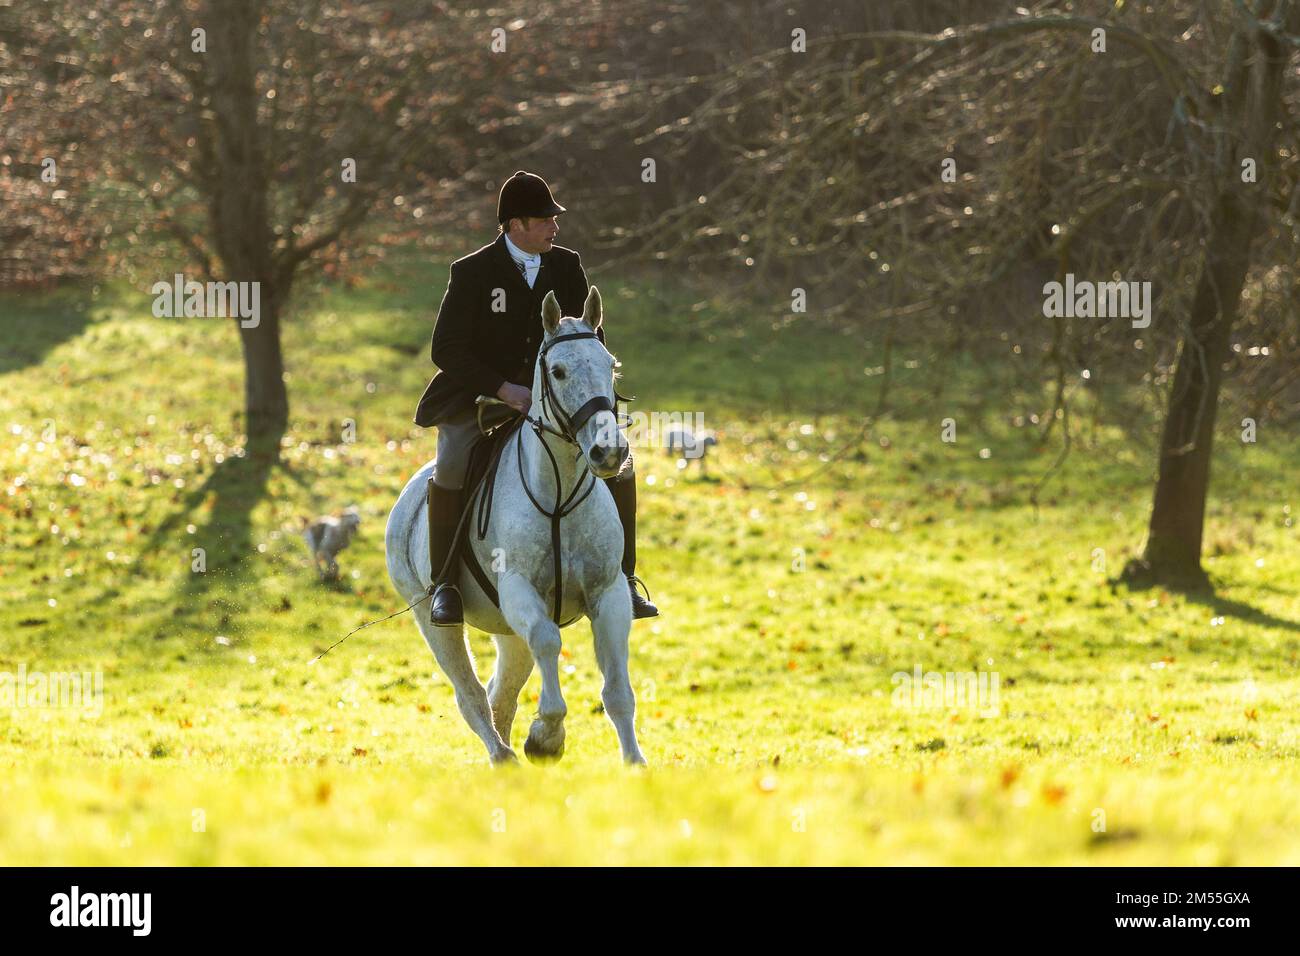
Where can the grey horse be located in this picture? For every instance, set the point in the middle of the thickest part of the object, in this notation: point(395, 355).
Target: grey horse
point(574, 372)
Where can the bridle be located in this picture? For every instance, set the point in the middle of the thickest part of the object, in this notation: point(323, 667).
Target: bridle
point(569, 426)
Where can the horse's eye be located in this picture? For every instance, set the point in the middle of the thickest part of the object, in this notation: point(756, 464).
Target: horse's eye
point(558, 372)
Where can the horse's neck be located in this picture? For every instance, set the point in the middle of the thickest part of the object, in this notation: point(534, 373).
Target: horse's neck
point(539, 471)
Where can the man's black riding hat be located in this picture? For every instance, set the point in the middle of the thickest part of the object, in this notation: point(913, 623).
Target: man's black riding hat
point(526, 195)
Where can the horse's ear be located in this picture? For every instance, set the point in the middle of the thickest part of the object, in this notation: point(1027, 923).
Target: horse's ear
point(592, 312)
point(550, 313)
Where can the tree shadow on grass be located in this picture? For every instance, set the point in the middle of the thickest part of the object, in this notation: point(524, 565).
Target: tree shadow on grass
point(1205, 596)
point(234, 488)
point(33, 325)
point(1240, 610)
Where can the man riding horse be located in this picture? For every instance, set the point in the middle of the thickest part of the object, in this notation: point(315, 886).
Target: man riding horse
point(485, 342)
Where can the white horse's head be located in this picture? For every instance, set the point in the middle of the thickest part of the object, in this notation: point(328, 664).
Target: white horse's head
point(574, 384)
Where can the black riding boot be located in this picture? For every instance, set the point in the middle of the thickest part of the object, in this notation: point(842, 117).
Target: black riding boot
point(444, 515)
point(623, 488)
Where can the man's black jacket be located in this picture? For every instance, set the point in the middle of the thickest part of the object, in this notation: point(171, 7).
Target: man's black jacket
point(475, 346)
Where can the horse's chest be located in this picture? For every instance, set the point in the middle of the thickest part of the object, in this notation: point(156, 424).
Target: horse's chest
point(580, 577)
point(583, 553)
point(590, 546)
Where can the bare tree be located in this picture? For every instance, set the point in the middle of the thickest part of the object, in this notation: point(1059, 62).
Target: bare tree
point(1108, 147)
point(276, 129)
point(1246, 126)
point(232, 122)
point(237, 125)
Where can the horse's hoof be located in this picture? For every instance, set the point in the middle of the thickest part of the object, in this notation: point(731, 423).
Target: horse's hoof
point(539, 749)
point(538, 754)
point(507, 758)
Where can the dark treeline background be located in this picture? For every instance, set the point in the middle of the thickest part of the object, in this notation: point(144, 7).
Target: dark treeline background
point(795, 145)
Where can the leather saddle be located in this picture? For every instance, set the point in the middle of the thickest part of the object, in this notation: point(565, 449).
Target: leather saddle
point(493, 414)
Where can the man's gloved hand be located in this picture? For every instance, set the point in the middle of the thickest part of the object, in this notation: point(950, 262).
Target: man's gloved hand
point(516, 396)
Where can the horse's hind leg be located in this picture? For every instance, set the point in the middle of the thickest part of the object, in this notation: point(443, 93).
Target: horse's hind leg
point(609, 627)
point(514, 664)
point(526, 613)
point(449, 647)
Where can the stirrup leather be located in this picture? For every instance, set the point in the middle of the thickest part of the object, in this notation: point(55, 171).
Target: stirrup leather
point(634, 580)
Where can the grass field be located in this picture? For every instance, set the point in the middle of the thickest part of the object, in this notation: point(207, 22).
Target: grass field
point(1132, 726)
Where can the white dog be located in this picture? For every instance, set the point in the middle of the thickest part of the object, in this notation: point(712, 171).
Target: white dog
point(680, 440)
point(329, 535)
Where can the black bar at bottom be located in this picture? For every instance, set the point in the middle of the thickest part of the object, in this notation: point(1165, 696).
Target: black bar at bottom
point(331, 907)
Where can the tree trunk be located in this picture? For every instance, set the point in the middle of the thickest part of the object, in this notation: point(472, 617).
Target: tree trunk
point(238, 205)
point(1173, 550)
point(1253, 99)
point(266, 401)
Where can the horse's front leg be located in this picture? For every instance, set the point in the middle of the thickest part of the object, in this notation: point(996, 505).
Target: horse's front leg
point(514, 665)
point(610, 626)
point(525, 612)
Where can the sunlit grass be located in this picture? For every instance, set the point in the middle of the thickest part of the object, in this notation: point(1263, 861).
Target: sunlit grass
point(795, 581)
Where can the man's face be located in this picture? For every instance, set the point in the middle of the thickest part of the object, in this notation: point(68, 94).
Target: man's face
point(534, 235)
